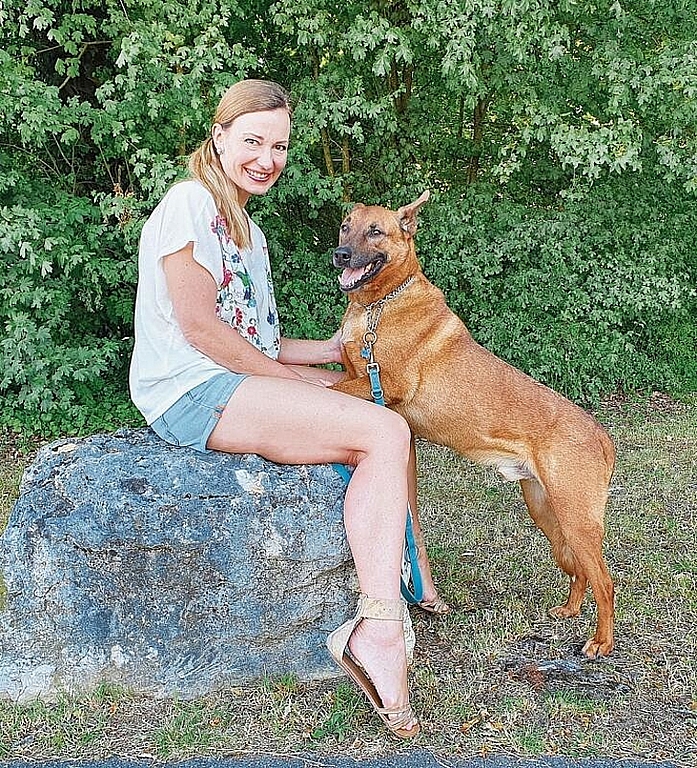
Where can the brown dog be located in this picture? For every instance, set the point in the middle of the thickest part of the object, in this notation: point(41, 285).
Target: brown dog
point(454, 392)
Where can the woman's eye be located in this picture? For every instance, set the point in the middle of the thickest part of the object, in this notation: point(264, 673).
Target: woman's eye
point(251, 142)
point(281, 148)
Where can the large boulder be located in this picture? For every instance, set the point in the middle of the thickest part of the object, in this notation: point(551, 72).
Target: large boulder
point(169, 571)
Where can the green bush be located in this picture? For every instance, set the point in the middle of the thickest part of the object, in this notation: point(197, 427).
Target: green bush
point(557, 139)
point(67, 304)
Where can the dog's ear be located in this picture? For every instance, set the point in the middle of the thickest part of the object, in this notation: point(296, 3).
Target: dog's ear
point(407, 213)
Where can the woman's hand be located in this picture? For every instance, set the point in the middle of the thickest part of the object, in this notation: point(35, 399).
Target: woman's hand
point(309, 352)
point(335, 347)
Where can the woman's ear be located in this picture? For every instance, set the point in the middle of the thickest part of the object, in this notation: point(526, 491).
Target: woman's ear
point(217, 134)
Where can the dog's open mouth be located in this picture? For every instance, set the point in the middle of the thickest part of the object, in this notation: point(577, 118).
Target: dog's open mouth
point(354, 277)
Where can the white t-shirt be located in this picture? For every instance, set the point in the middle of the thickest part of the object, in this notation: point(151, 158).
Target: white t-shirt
point(164, 365)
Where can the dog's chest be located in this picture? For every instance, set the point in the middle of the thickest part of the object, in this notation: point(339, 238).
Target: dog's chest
point(368, 336)
point(381, 333)
point(353, 330)
point(352, 340)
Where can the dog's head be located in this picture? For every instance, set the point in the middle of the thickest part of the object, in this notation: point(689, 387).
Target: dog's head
point(374, 242)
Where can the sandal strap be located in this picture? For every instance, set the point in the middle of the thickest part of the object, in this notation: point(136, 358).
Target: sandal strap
point(397, 719)
point(378, 608)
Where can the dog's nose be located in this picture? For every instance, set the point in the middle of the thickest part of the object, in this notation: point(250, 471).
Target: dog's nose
point(342, 256)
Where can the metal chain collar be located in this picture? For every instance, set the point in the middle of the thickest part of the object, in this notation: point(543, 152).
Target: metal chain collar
point(374, 312)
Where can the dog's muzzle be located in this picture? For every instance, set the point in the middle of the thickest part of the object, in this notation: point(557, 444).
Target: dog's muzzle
point(358, 269)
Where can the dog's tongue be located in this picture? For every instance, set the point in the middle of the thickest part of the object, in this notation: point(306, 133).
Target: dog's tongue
point(350, 276)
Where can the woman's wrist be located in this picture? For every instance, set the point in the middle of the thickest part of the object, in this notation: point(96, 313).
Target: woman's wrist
point(309, 351)
point(333, 348)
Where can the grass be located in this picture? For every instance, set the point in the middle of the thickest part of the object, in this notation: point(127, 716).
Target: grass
point(498, 676)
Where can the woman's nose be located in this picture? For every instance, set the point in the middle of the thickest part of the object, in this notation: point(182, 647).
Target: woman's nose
point(265, 157)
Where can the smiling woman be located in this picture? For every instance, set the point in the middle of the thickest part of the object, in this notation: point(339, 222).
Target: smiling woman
point(246, 151)
point(211, 371)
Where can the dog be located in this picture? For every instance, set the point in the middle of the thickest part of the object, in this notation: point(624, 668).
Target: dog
point(454, 392)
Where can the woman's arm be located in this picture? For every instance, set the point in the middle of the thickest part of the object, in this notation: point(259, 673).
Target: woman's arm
point(193, 293)
point(307, 352)
point(321, 376)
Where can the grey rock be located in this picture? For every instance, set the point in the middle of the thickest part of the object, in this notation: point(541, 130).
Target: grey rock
point(169, 571)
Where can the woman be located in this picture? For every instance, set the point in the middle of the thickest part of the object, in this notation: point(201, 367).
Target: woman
point(238, 386)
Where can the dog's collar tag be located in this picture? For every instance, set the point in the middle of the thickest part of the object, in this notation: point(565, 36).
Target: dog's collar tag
point(369, 339)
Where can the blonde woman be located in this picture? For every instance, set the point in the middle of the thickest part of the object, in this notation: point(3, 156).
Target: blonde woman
point(210, 370)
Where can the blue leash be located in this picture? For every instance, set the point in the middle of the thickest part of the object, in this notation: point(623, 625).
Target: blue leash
point(411, 574)
point(410, 566)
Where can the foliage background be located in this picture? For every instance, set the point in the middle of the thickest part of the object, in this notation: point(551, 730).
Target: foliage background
point(557, 138)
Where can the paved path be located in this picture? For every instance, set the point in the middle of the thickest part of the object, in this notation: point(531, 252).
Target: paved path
point(407, 759)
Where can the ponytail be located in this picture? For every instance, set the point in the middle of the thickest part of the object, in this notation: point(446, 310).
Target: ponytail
point(204, 165)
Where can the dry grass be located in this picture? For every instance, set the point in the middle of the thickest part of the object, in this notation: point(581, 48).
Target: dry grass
point(496, 677)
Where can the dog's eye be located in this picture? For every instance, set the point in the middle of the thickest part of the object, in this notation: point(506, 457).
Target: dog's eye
point(375, 231)
point(344, 228)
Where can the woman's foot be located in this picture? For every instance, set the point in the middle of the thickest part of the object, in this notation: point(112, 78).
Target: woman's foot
point(379, 648)
point(370, 649)
point(437, 606)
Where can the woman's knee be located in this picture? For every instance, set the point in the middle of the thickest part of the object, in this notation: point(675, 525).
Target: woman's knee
point(393, 433)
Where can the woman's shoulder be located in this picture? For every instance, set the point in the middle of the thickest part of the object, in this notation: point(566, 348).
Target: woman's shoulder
point(187, 211)
point(185, 204)
point(188, 191)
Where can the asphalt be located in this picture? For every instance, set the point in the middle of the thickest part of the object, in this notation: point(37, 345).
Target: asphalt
point(407, 759)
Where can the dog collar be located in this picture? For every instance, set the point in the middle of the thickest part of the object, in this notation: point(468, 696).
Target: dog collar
point(374, 312)
point(390, 295)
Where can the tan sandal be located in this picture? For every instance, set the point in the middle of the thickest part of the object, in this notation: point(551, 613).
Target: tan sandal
point(395, 718)
point(438, 607)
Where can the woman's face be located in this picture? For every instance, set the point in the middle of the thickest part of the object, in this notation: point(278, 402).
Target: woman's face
point(254, 150)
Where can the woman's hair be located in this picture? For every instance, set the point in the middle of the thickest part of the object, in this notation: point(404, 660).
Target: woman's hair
point(204, 164)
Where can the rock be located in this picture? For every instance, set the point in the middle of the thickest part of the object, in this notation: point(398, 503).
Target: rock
point(169, 571)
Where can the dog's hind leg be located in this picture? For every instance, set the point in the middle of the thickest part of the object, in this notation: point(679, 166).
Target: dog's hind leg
point(545, 519)
point(572, 519)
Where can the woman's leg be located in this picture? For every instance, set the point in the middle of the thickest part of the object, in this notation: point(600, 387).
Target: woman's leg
point(293, 422)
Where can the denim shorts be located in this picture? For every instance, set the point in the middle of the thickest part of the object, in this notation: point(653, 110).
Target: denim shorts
point(190, 421)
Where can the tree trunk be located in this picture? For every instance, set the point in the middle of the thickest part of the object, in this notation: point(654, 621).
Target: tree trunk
point(477, 136)
point(327, 151)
